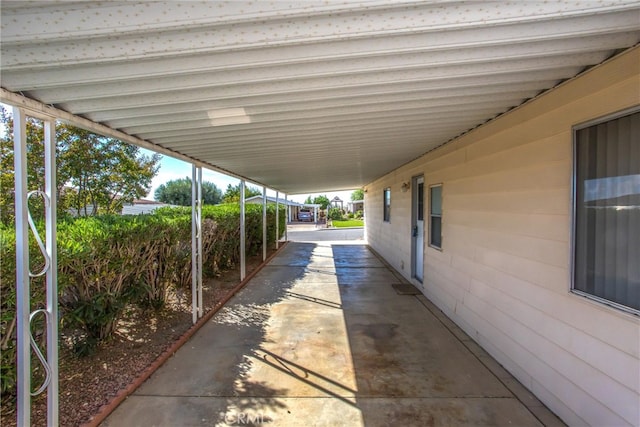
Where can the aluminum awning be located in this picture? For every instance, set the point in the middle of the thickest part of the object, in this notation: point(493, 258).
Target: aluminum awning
point(301, 96)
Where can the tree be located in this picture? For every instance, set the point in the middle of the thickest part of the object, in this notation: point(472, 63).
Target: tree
point(323, 201)
point(178, 192)
point(357, 195)
point(232, 194)
point(104, 173)
point(94, 175)
point(35, 161)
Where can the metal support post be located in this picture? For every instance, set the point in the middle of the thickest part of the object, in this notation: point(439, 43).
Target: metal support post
point(264, 224)
point(52, 274)
point(25, 340)
point(200, 255)
point(277, 220)
point(23, 308)
point(243, 266)
point(196, 243)
point(286, 224)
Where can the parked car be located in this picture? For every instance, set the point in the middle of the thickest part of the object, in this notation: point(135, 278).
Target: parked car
point(305, 215)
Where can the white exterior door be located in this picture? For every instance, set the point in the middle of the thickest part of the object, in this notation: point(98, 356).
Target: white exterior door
point(418, 227)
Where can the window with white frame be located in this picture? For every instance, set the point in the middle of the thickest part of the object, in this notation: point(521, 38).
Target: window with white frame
point(386, 197)
point(435, 216)
point(606, 259)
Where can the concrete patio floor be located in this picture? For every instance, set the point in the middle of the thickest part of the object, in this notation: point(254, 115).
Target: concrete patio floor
point(320, 337)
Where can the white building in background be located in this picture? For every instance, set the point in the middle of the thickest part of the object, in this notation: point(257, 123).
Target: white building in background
point(355, 206)
point(142, 206)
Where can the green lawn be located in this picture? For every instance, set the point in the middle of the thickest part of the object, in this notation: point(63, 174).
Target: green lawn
point(350, 223)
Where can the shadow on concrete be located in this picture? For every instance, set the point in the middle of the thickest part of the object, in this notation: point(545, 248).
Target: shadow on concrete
point(410, 369)
point(308, 376)
point(320, 337)
point(209, 381)
point(244, 323)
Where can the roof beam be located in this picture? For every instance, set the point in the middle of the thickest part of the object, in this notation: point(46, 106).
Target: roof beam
point(315, 76)
point(220, 35)
point(38, 109)
point(193, 70)
point(329, 98)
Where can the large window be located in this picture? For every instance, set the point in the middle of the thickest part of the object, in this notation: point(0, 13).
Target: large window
point(607, 211)
point(386, 197)
point(435, 216)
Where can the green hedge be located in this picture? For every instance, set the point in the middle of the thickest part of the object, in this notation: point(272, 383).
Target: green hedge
point(8, 304)
point(107, 262)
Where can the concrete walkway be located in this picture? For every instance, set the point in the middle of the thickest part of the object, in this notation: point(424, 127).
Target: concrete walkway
point(321, 337)
point(326, 234)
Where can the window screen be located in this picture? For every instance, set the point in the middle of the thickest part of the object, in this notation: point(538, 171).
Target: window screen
point(607, 211)
point(435, 216)
point(387, 204)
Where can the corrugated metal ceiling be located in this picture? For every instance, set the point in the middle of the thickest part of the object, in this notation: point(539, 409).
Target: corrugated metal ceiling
point(302, 96)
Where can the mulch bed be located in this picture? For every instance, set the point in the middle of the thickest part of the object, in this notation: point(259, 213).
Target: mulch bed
point(88, 383)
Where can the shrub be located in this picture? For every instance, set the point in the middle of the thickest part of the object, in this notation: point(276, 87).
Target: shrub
point(107, 262)
point(222, 248)
point(8, 372)
point(161, 251)
point(7, 310)
point(335, 214)
point(99, 258)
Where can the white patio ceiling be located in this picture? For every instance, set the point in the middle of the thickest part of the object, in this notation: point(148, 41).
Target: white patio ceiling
point(324, 95)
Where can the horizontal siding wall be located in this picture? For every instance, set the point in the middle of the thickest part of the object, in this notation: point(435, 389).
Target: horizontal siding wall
point(504, 272)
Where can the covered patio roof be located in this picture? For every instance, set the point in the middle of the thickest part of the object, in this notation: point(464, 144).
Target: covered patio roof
point(300, 96)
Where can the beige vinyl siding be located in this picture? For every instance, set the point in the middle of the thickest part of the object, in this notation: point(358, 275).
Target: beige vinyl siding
point(390, 232)
point(504, 272)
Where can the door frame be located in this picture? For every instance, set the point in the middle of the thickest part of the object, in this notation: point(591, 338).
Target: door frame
point(414, 222)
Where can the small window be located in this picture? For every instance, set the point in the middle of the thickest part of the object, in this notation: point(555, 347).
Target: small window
point(606, 258)
point(387, 204)
point(421, 201)
point(435, 216)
